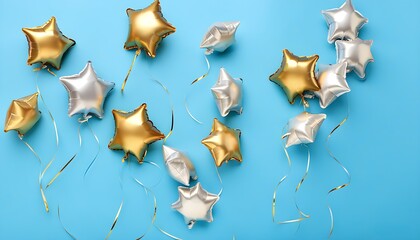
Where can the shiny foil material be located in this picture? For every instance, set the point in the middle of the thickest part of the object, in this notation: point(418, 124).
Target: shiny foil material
point(227, 93)
point(195, 204)
point(23, 114)
point(356, 53)
point(332, 80)
point(179, 165)
point(303, 128)
point(223, 143)
point(87, 92)
point(47, 45)
point(344, 22)
point(134, 132)
point(296, 75)
point(147, 27)
point(219, 37)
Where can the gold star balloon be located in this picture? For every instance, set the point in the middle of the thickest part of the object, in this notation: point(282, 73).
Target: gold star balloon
point(296, 75)
point(47, 44)
point(147, 28)
point(23, 114)
point(134, 132)
point(223, 143)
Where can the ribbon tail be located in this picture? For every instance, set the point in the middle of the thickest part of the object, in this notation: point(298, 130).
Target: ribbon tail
point(117, 216)
point(69, 161)
point(62, 225)
point(172, 109)
point(129, 70)
point(97, 152)
point(342, 166)
point(205, 74)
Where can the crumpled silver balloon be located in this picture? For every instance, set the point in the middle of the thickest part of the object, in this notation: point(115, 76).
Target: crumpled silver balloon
point(332, 81)
point(195, 204)
point(179, 165)
point(356, 53)
point(219, 37)
point(344, 22)
point(303, 128)
point(87, 92)
point(228, 93)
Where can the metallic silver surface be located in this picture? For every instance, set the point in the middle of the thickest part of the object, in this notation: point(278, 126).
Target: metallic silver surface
point(303, 128)
point(332, 81)
point(356, 53)
point(227, 93)
point(344, 22)
point(87, 92)
point(219, 37)
point(179, 166)
point(195, 204)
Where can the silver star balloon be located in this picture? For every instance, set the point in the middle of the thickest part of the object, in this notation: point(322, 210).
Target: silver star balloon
point(332, 81)
point(179, 166)
point(228, 93)
point(303, 128)
point(195, 204)
point(219, 37)
point(356, 53)
point(87, 92)
point(344, 22)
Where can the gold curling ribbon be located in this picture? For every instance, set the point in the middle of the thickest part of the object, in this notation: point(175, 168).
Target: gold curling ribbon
point(44, 199)
point(97, 152)
point(155, 206)
point(115, 220)
point(62, 225)
point(172, 108)
point(341, 165)
point(192, 83)
point(129, 70)
point(81, 121)
point(302, 215)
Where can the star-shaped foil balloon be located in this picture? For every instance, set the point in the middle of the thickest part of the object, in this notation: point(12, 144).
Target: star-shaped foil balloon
point(223, 143)
point(147, 28)
point(87, 92)
point(228, 93)
point(134, 132)
point(179, 165)
point(47, 44)
point(356, 53)
point(296, 75)
point(344, 22)
point(332, 80)
point(219, 37)
point(23, 114)
point(195, 204)
point(303, 128)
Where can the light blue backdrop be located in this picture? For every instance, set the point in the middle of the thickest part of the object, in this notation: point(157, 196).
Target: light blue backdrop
point(379, 144)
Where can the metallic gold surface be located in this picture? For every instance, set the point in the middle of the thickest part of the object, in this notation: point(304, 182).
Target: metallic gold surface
point(47, 44)
point(147, 28)
point(23, 114)
point(296, 75)
point(134, 132)
point(223, 143)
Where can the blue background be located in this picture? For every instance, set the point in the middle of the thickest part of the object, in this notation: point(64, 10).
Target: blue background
point(379, 144)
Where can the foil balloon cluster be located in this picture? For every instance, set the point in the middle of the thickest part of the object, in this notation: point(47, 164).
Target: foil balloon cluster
point(344, 24)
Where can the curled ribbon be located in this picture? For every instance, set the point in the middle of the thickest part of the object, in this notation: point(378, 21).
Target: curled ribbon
point(129, 70)
point(341, 165)
point(302, 215)
point(192, 83)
